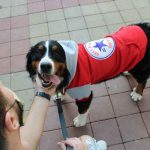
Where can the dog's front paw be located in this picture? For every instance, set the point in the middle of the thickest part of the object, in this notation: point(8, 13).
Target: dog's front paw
point(135, 96)
point(80, 120)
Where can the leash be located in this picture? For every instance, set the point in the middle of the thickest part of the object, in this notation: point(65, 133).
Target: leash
point(62, 119)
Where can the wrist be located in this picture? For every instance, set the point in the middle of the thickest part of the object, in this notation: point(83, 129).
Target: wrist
point(44, 95)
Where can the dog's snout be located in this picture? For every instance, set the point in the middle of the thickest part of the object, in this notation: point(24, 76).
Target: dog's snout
point(46, 67)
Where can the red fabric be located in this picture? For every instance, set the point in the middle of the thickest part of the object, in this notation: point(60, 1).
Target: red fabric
point(130, 48)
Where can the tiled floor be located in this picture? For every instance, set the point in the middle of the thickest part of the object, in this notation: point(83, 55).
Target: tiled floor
point(124, 124)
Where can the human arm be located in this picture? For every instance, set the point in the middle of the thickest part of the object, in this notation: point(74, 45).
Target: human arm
point(32, 130)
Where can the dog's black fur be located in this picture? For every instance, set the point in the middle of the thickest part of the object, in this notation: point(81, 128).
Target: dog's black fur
point(140, 72)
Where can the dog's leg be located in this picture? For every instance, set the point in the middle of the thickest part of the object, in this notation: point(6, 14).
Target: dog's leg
point(83, 109)
point(137, 92)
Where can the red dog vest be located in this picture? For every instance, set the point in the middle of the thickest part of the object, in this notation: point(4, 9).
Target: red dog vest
point(105, 58)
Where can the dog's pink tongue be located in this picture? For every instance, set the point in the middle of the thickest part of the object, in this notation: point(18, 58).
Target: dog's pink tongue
point(47, 77)
point(55, 79)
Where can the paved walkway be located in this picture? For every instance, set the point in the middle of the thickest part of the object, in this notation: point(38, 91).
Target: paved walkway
point(113, 117)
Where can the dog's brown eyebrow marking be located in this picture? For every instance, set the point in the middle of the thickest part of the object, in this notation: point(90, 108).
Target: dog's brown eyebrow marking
point(54, 47)
point(40, 47)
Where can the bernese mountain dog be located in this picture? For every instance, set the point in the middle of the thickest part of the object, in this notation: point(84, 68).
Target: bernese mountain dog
point(73, 67)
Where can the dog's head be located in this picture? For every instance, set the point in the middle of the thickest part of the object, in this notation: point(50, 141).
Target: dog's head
point(47, 60)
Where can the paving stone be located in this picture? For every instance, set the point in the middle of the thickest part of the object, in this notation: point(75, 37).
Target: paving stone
point(72, 12)
point(50, 139)
point(5, 79)
point(101, 109)
point(60, 36)
point(144, 12)
point(115, 27)
point(36, 7)
point(5, 50)
point(50, 5)
point(77, 132)
point(94, 20)
point(5, 24)
point(90, 9)
point(19, 34)
point(66, 3)
point(54, 27)
point(4, 36)
point(37, 18)
point(15, 66)
point(6, 3)
point(98, 32)
point(5, 65)
point(55, 15)
point(52, 122)
point(52, 119)
point(80, 36)
point(20, 47)
point(127, 18)
point(139, 3)
point(83, 2)
point(123, 105)
point(114, 85)
point(107, 7)
point(109, 18)
point(20, 81)
point(19, 21)
point(26, 97)
point(32, 1)
point(39, 30)
point(107, 130)
point(116, 147)
point(122, 5)
point(20, 2)
point(76, 23)
point(132, 127)
point(146, 117)
point(144, 105)
point(99, 90)
point(19, 10)
point(143, 144)
point(5, 12)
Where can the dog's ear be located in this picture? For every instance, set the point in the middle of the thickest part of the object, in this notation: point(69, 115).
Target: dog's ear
point(29, 67)
point(65, 82)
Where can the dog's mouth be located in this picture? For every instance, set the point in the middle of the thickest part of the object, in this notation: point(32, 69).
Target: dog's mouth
point(48, 80)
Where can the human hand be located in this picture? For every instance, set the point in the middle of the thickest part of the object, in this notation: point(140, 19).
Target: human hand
point(76, 143)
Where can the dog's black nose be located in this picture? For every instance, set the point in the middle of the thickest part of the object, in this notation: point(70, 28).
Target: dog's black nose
point(46, 67)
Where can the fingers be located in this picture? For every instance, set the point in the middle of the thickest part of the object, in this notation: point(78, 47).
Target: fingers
point(76, 143)
point(62, 146)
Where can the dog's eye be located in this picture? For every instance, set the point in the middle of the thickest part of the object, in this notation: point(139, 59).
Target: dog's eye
point(38, 54)
point(58, 55)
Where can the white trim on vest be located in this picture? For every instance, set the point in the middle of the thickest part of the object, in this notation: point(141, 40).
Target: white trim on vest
point(80, 92)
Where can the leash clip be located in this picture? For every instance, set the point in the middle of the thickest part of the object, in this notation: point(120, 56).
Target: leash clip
point(58, 96)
